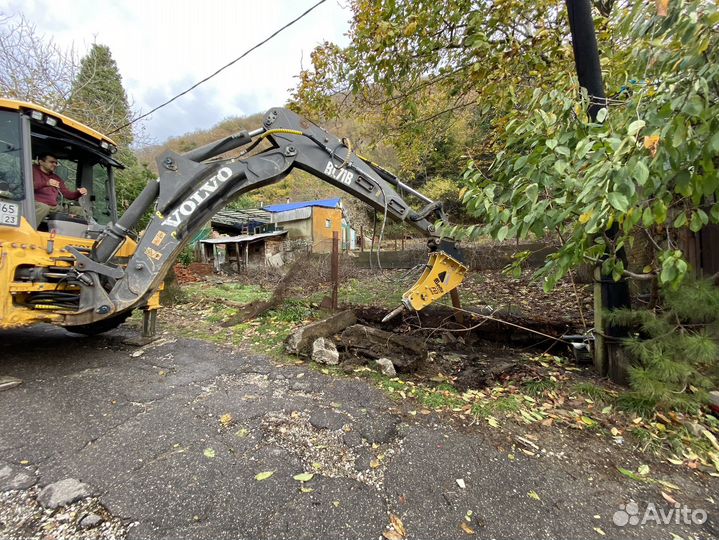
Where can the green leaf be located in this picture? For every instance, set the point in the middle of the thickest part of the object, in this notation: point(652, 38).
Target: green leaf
point(631, 475)
point(680, 220)
point(209, 453)
point(551, 143)
point(602, 114)
point(641, 173)
point(304, 477)
point(618, 201)
point(647, 217)
point(635, 126)
point(502, 233)
point(562, 151)
point(695, 223)
point(715, 213)
point(264, 475)
point(521, 161)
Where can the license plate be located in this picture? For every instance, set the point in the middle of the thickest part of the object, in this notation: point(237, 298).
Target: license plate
point(9, 214)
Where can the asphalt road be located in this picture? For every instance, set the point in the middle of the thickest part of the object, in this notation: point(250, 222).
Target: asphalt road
point(171, 440)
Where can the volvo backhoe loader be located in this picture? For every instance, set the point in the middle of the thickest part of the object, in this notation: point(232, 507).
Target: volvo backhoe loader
point(88, 275)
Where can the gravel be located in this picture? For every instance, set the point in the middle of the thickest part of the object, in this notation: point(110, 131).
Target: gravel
point(22, 517)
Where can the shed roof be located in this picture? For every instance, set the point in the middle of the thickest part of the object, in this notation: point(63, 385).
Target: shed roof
point(325, 203)
point(241, 238)
point(235, 217)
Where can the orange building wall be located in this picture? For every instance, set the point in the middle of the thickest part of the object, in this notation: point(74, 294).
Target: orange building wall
point(321, 235)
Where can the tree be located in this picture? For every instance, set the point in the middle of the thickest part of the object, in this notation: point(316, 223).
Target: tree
point(98, 97)
point(99, 100)
point(32, 67)
point(649, 163)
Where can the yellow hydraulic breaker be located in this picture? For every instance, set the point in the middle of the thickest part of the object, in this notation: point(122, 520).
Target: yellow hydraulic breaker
point(442, 274)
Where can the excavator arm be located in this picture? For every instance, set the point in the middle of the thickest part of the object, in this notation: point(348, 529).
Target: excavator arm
point(194, 186)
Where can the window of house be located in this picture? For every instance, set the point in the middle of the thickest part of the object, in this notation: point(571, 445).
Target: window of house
point(328, 223)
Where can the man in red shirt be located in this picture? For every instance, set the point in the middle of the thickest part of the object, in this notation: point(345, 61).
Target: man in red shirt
point(48, 186)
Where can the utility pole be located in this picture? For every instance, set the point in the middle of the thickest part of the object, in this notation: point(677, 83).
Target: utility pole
point(609, 294)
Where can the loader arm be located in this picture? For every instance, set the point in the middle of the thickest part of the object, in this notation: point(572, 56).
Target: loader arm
point(191, 189)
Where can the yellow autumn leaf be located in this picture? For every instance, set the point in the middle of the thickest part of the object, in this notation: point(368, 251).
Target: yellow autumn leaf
point(264, 475)
point(585, 217)
point(374, 463)
point(398, 525)
point(226, 420)
point(392, 535)
point(533, 495)
point(466, 528)
point(651, 143)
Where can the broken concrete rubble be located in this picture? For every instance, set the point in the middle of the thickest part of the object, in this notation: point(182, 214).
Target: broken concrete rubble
point(324, 351)
point(300, 342)
point(387, 367)
point(407, 352)
point(63, 493)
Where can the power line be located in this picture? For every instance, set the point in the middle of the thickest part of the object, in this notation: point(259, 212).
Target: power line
point(248, 51)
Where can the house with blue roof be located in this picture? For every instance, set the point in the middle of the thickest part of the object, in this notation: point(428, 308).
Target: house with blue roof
point(310, 221)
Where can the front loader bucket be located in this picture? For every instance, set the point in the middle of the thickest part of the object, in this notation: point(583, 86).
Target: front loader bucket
point(442, 274)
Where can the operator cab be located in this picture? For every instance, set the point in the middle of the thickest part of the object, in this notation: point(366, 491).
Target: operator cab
point(85, 160)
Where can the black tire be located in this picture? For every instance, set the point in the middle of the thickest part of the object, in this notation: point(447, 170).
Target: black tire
point(99, 327)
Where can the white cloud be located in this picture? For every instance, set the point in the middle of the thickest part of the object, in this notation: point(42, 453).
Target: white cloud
point(164, 46)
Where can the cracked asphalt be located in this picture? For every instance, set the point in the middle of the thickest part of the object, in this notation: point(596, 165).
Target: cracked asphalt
point(144, 430)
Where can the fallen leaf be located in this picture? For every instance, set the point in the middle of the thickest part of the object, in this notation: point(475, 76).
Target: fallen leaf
point(227, 420)
point(306, 490)
point(534, 495)
point(264, 475)
point(668, 485)
point(374, 463)
point(643, 470)
point(336, 504)
point(304, 477)
point(466, 528)
point(600, 531)
point(669, 498)
point(398, 525)
point(392, 535)
point(460, 483)
point(209, 452)
point(242, 433)
point(492, 421)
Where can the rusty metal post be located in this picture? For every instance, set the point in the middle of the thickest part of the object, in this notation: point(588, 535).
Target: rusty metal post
point(458, 315)
point(335, 269)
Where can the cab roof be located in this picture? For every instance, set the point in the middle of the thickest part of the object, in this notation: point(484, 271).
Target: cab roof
point(25, 105)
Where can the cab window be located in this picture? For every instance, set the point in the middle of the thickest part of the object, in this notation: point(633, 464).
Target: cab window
point(101, 205)
point(11, 178)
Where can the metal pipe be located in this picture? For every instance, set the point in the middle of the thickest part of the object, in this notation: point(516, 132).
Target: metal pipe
point(414, 192)
point(215, 148)
point(115, 234)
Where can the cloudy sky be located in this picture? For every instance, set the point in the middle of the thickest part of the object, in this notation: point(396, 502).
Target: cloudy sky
point(163, 47)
